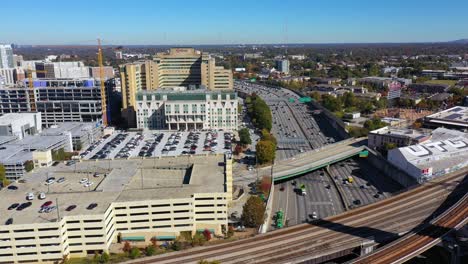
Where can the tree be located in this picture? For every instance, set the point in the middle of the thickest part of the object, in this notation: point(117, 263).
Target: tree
point(127, 247)
point(266, 135)
point(349, 100)
point(198, 239)
point(237, 149)
point(244, 137)
point(315, 95)
point(134, 253)
point(207, 234)
point(29, 165)
point(176, 245)
point(265, 151)
point(239, 108)
point(253, 212)
point(104, 257)
point(265, 184)
point(230, 231)
point(374, 123)
point(3, 180)
point(150, 250)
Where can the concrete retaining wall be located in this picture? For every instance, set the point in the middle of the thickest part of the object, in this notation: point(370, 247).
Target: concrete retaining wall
point(390, 170)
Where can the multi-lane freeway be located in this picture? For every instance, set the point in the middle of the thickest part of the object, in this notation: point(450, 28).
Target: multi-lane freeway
point(295, 127)
point(374, 223)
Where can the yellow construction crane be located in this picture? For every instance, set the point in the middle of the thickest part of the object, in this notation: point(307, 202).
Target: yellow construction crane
point(103, 88)
point(32, 96)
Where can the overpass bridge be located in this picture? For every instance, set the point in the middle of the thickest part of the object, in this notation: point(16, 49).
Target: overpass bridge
point(315, 159)
point(339, 235)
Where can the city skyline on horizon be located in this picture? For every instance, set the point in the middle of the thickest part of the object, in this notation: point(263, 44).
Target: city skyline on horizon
point(213, 23)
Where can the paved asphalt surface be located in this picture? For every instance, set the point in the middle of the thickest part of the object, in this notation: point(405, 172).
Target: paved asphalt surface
point(294, 125)
point(298, 130)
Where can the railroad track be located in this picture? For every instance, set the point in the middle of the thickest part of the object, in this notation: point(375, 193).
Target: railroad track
point(401, 250)
point(304, 239)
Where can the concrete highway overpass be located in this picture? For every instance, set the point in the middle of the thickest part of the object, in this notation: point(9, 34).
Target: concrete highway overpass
point(316, 159)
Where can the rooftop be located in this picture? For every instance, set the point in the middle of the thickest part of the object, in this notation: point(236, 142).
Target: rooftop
point(456, 115)
point(445, 149)
point(76, 128)
point(125, 180)
point(8, 118)
point(411, 133)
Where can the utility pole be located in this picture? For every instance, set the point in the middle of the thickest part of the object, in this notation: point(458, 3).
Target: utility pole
point(58, 211)
point(141, 173)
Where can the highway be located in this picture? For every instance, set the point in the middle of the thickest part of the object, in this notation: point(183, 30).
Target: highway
point(322, 198)
point(378, 222)
point(295, 127)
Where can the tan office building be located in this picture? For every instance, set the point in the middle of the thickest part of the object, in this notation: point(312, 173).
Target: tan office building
point(185, 67)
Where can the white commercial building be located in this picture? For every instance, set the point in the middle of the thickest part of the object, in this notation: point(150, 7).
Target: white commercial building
point(130, 200)
point(20, 124)
point(8, 76)
point(6, 56)
point(179, 109)
point(445, 152)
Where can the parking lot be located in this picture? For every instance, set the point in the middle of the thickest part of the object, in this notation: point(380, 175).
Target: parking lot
point(159, 143)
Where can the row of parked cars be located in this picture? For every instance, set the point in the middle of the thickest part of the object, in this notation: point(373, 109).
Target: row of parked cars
point(109, 146)
point(130, 146)
point(191, 143)
point(148, 149)
point(172, 142)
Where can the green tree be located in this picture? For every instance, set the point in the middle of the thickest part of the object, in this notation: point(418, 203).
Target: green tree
point(331, 103)
point(176, 245)
point(3, 179)
point(253, 212)
point(349, 100)
point(29, 165)
point(374, 123)
point(134, 253)
point(230, 231)
point(150, 250)
point(104, 257)
point(315, 95)
point(198, 239)
point(265, 151)
point(244, 137)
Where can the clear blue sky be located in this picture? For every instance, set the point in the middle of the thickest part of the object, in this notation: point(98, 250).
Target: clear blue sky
point(184, 22)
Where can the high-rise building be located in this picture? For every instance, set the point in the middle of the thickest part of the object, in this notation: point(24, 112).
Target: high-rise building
point(189, 67)
point(6, 56)
point(282, 66)
point(59, 101)
point(178, 67)
point(69, 69)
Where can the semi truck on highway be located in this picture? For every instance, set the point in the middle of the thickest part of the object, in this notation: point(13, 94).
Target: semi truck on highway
point(303, 190)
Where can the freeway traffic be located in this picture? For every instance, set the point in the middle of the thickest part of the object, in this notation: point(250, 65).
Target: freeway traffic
point(376, 222)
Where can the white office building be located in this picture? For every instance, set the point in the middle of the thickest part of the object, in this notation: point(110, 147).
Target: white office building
point(179, 109)
point(20, 124)
point(6, 56)
point(445, 152)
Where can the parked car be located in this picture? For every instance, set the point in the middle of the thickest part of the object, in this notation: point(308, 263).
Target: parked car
point(13, 206)
point(70, 208)
point(92, 206)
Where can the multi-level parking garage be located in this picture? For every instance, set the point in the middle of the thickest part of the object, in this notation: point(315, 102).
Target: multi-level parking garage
point(159, 144)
